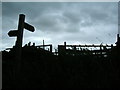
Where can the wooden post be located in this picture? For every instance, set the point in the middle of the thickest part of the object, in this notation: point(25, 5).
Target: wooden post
point(18, 50)
point(19, 41)
point(65, 45)
point(18, 46)
point(43, 45)
point(101, 50)
point(50, 48)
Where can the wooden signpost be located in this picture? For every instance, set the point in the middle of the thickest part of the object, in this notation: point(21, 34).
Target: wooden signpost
point(18, 45)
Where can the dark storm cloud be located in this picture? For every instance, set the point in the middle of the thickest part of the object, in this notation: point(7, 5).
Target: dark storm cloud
point(76, 22)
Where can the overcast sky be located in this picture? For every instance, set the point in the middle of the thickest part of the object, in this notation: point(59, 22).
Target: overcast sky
point(75, 23)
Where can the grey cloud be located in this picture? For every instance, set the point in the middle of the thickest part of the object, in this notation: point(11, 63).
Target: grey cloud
point(101, 12)
point(81, 22)
point(73, 17)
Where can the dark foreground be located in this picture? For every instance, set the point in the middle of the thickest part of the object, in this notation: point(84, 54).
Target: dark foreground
point(41, 69)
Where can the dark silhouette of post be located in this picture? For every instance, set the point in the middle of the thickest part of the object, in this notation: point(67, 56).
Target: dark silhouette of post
point(65, 44)
point(19, 33)
point(19, 41)
point(18, 44)
point(43, 44)
point(50, 48)
point(118, 41)
point(118, 47)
